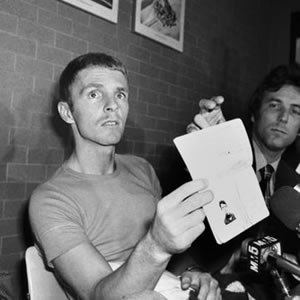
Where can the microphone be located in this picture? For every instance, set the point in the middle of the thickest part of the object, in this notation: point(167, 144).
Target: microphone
point(265, 253)
point(297, 187)
point(285, 205)
point(258, 250)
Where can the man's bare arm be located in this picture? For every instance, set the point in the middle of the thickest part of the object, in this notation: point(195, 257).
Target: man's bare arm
point(91, 277)
point(177, 223)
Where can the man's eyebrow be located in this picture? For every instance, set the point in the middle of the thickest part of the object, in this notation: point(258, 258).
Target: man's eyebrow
point(274, 99)
point(92, 84)
point(123, 89)
point(99, 86)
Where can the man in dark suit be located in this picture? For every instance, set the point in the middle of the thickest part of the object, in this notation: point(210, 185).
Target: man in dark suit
point(275, 124)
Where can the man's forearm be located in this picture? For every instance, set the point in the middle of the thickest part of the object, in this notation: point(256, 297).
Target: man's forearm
point(140, 272)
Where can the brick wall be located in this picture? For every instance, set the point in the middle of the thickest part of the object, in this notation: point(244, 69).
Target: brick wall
point(225, 52)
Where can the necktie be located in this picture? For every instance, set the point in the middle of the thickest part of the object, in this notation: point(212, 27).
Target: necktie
point(265, 183)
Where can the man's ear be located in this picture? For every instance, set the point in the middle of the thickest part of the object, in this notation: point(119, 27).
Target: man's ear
point(65, 112)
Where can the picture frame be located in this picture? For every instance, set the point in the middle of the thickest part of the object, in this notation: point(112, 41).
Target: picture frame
point(295, 38)
point(106, 9)
point(162, 21)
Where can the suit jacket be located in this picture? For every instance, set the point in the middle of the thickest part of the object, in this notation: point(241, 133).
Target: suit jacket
point(284, 176)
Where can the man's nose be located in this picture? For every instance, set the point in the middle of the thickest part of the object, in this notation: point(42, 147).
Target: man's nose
point(284, 115)
point(110, 104)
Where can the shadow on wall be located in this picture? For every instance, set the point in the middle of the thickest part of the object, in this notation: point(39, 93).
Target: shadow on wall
point(226, 65)
point(225, 77)
point(7, 120)
point(172, 172)
point(13, 196)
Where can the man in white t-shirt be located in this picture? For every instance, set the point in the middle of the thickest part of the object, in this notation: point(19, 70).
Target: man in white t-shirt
point(101, 207)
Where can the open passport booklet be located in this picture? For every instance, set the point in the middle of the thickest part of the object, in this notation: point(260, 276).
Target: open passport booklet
point(223, 154)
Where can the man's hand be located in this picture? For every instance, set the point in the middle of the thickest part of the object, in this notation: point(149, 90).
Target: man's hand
point(204, 285)
point(179, 218)
point(210, 114)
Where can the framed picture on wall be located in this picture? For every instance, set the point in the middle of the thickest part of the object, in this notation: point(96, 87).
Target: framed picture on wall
point(107, 9)
point(295, 37)
point(161, 20)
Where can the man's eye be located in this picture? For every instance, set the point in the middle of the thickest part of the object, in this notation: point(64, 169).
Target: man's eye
point(94, 94)
point(121, 96)
point(273, 105)
point(296, 111)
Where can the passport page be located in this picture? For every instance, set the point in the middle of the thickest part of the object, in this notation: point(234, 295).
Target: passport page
point(223, 155)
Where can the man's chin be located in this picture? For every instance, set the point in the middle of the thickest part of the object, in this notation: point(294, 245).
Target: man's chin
point(278, 146)
point(112, 142)
point(111, 137)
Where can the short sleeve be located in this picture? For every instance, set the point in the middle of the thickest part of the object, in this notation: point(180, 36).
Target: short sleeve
point(56, 223)
point(147, 171)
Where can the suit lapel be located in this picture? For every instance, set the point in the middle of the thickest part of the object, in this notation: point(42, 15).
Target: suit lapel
point(285, 175)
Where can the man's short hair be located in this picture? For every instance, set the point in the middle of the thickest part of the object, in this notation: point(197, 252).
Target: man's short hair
point(82, 62)
point(274, 81)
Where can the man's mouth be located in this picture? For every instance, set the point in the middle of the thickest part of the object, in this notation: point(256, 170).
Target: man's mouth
point(279, 130)
point(110, 123)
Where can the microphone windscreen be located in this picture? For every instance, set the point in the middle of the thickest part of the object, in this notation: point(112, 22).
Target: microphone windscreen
point(285, 205)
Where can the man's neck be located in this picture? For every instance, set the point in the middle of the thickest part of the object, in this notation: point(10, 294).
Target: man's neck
point(97, 160)
point(270, 155)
